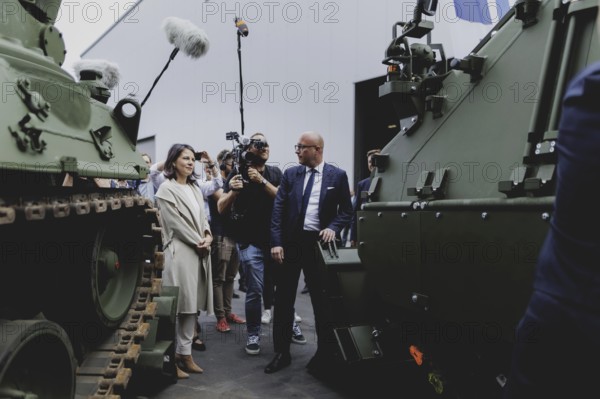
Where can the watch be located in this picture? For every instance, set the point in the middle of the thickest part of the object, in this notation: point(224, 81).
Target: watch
point(264, 181)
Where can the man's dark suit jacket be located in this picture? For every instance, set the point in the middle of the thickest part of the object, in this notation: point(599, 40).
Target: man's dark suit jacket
point(561, 320)
point(335, 207)
point(568, 265)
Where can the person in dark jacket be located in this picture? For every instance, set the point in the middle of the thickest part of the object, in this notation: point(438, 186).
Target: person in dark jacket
point(558, 338)
point(362, 185)
point(312, 203)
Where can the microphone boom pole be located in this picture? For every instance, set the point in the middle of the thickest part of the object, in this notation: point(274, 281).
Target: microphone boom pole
point(239, 50)
point(242, 31)
point(171, 57)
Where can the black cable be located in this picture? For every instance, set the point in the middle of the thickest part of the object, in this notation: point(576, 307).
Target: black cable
point(171, 58)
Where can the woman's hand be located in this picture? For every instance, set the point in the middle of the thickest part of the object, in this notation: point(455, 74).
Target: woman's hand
point(203, 247)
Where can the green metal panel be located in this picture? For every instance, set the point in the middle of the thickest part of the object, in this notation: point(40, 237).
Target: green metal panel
point(345, 283)
point(50, 119)
point(389, 248)
point(478, 266)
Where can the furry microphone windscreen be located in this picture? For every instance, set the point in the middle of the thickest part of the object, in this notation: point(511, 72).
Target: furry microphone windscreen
point(109, 70)
point(186, 36)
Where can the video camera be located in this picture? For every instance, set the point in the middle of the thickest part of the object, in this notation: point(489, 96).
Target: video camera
point(242, 158)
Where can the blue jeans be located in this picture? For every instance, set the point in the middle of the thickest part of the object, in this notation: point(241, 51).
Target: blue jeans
point(253, 260)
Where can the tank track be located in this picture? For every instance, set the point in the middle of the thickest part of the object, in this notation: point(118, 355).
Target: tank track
point(106, 371)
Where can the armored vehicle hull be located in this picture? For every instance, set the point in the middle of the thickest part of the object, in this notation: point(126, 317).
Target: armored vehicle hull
point(79, 293)
point(460, 200)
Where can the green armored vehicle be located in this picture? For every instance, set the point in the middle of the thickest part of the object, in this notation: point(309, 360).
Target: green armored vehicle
point(460, 201)
point(79, 261)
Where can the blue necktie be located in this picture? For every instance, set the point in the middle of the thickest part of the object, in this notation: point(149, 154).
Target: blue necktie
point(306, 196)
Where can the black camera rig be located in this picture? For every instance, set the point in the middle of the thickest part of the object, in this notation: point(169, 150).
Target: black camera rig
point(242, 158)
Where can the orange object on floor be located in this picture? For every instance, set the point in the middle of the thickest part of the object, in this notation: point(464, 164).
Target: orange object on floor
point(416, 354)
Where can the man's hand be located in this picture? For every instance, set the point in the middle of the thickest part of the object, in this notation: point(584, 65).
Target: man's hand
point(254, 175)
point(327, 235)
point(277, 254)
point(236, 183)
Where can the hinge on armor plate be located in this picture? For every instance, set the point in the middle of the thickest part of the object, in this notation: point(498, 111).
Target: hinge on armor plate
point(100, 137)
point(369, 195)
point(542, 179)
point(28, 135)
point(380, 161)
point(430, 184)
point(34, 100)
point(472, 65)
point(69, 164)
point(409, 125)
point(536, 176)
point(536, 180)
point(514, 186)
point(434, 104)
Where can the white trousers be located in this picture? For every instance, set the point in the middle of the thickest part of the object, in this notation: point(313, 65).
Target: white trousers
point(186, 323)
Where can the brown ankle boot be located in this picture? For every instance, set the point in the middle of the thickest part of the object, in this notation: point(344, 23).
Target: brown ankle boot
point(186, 363)
point(181, 374)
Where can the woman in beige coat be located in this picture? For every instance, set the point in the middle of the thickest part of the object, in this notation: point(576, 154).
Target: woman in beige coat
point(186, 243)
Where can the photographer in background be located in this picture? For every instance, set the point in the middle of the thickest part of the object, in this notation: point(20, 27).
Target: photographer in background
point(249, 204)
point(224, 255)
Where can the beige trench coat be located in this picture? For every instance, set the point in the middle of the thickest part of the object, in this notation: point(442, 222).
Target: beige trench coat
point(182, 230)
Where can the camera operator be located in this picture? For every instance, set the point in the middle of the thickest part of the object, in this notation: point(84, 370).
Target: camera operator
point(250, 205)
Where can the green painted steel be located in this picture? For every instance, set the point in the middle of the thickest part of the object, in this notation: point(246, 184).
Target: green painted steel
point(51, 120)
point(79, 260)
point(461, 198)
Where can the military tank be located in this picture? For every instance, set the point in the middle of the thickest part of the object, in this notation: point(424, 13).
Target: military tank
point(80, 295)
point(460, 201)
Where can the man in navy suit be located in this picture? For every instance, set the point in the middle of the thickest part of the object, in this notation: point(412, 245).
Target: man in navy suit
point(362, 185)
point(312, 203)
point(561, 326)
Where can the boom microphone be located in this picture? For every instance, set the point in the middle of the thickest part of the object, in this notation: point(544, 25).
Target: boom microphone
point(185, 36)
point(242, 27)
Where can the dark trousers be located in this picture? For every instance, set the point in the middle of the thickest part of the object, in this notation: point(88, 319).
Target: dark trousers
point(269, 289)
point(556, 351)
point(300, 255)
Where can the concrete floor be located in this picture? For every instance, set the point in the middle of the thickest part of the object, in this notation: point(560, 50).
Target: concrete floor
point(230, 373)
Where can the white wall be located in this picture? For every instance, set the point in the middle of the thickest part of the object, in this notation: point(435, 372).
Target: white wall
point(300, 62)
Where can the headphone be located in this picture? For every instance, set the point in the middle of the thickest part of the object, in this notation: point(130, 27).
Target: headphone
point(227, 156)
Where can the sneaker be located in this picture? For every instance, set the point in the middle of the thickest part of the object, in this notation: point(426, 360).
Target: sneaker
point(266, 316)
point(232, 317)
point(297, 336)
point(253, 345)
point(222, 325)
point(297, 318)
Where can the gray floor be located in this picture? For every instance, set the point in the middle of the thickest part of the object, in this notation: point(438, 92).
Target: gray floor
point(231, 373)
